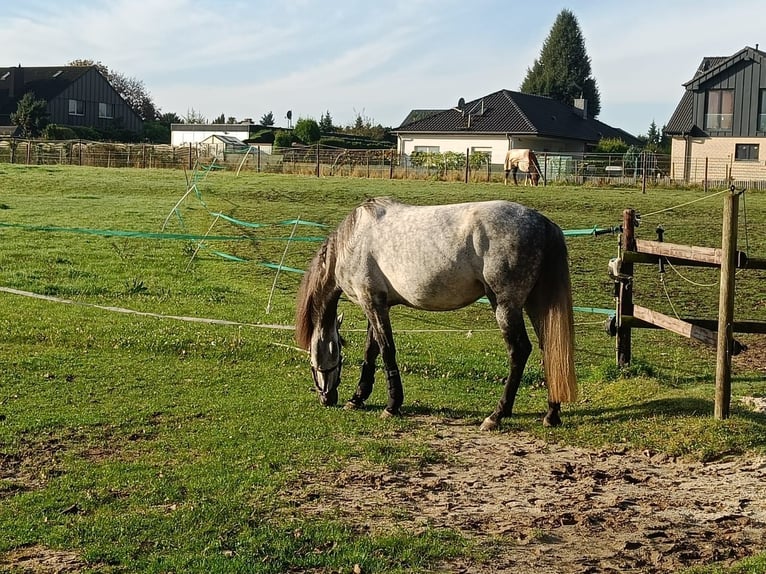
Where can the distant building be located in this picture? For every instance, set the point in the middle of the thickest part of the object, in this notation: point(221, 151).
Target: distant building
point(75, 96)
point(722, 117)
point(506, 120)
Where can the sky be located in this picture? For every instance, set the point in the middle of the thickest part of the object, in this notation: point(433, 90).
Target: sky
point(375, 59)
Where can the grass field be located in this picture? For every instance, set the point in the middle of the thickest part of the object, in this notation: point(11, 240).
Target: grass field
point(145, 443)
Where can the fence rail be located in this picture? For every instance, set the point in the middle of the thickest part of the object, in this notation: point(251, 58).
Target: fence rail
point(323, 161)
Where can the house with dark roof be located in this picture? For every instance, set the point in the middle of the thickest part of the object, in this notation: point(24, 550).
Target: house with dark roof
point(719, 125)
point(506, 120)
point(76, 96)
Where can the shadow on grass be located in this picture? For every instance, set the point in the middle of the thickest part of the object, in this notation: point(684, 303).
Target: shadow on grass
point(678, 407)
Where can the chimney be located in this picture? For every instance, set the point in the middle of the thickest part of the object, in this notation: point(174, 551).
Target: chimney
point(16, 87)
point(581, 105)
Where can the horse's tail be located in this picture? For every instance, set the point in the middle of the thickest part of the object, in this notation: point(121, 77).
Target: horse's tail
point(550, 309)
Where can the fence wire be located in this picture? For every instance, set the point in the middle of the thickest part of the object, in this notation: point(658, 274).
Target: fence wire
point(387, 163)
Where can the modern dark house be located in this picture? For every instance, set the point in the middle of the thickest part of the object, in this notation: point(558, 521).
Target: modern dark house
point(719, 125)
point(506, 120)
point(76, 96)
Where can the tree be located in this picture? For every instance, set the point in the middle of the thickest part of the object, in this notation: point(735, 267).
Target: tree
point(283, 139)
point(563, 71)
point(307, 130)
point(194, 117)
point(267, 119)
point(325, 123)
point(611, 145)
point(131, 89)
point(31, 115)
point(363, 126)
point(220, 119)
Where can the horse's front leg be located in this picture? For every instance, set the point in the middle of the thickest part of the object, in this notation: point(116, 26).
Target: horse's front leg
point(381, 328)
point(519, 348)
point(367, 377)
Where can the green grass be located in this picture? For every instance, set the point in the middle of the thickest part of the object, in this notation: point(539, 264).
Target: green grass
point(158, 445)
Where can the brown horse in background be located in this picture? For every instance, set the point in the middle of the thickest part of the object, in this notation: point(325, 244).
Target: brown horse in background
point(524, 160)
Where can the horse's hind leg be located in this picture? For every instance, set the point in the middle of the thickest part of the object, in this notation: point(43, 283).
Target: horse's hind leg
point(367, 378)
point(552, 417)
point(511, 324)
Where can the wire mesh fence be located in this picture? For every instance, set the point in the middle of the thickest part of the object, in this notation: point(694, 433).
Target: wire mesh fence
point(639, 168)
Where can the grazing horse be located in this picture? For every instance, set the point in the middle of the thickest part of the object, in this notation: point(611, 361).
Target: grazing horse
point(440, 258)
point(524, 160)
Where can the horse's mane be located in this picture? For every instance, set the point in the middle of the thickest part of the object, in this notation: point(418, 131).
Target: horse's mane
point(318, 287)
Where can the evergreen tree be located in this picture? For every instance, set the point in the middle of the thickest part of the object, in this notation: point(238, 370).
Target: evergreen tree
point(653, 137)
point(563, 71)
point(267, 119)
point(30, 115)
point(325, 123)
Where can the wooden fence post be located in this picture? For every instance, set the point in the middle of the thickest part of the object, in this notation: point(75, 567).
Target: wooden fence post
point(467, 157)
point(726, 304)
point(625, 294)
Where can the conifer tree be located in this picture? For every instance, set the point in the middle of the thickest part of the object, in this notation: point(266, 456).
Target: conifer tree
point(563, 71)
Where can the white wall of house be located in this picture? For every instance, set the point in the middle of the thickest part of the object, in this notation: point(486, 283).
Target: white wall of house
point(714, 158)
point(184, 134)
point(496, 144)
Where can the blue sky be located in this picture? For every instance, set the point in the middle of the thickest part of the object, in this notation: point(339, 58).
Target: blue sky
point(378, 59)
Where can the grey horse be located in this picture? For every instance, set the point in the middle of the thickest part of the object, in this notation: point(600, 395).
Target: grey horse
point(440, 258)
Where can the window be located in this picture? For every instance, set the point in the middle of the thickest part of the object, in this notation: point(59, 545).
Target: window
point(746, 152)
point(105, 110)
point(762, 112)
point(427, 148)
point(76, 108)
point(720, 110)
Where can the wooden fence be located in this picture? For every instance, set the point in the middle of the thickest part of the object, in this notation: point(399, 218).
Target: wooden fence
point(717, 333)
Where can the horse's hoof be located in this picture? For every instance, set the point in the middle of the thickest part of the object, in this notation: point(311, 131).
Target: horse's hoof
point(489, 425)
point(551, 421)
point(352, 406)
point(386, 414)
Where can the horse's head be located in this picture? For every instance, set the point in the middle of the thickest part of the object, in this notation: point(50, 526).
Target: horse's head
point(327, 361)
point(534, 176)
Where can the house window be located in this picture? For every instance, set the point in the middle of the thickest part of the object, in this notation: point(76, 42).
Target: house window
point(720, 110)
point(76, 108)
point(762, 112)
point(105, 110)
point(746, 152)
point(427, 148)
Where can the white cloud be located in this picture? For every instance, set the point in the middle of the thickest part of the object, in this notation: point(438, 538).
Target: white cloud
point(248, 57)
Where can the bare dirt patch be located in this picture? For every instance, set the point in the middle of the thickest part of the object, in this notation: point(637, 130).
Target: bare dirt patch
point(41, 560)
point(552, 508)
point(754, 358)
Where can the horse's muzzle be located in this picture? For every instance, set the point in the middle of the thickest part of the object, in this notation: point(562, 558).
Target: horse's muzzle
point(327, 387)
